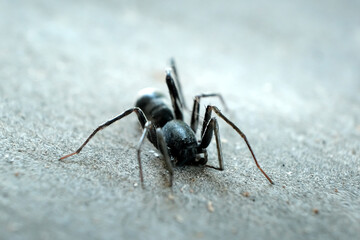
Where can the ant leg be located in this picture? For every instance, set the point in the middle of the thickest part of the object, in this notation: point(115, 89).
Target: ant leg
point(174, 94)
point(174, 69)
point(147, 127)
point(196, 109)
point(212, 126)
point(163, 149)
point(218, 112)
point(138, 111)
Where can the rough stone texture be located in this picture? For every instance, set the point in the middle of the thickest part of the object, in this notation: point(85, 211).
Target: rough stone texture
point(289, 72)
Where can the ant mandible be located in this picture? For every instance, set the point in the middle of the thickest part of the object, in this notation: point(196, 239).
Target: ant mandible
point(167, 131)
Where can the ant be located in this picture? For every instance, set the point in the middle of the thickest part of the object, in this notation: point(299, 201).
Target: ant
point(167, 131)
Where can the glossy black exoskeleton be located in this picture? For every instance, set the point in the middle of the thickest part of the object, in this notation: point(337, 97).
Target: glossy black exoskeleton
point(167, 131)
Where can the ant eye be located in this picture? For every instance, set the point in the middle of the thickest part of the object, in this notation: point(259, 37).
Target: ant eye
point(202, 161)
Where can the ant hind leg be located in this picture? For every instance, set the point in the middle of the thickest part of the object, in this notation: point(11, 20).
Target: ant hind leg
point(196, 109)
point(138, 111)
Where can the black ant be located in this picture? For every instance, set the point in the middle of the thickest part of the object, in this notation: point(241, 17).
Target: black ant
point(167, 131)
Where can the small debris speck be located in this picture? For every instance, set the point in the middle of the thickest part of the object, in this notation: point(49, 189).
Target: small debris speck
point(224, 140)
point(246, 194)
point(179, 218)
point(199, 235)
point(358, 127)
point(155, 153)
point(182, 188)
point(210, 206)
point(171, 197)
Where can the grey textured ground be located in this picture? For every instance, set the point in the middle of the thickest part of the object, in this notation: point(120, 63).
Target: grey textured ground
point(288, 71)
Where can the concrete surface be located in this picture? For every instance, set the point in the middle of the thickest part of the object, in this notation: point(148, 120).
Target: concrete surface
point(288, 71)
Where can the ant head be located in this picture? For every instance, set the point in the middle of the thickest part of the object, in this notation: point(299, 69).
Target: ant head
point(201, 158)
point(186, 156)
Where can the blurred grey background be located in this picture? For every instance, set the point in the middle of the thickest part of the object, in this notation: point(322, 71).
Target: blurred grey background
point(289, 72)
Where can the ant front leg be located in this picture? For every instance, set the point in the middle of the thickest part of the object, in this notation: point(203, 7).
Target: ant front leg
point(210, 108)
point(207, 133)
